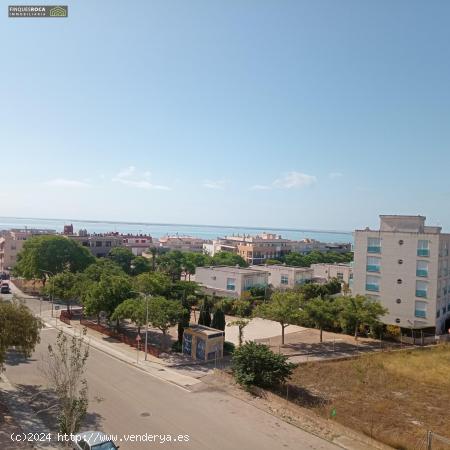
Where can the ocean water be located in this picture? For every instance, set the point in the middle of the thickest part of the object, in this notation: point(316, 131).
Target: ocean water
point(162, 229)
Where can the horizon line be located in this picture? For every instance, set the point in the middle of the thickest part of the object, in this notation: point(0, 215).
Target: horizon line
point(180, 224)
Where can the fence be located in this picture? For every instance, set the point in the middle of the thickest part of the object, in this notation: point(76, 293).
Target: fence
point(435, 441)
point(65, 317)
point(120, 336)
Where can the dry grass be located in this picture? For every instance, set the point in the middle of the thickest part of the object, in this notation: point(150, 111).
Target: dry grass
point(394, 397)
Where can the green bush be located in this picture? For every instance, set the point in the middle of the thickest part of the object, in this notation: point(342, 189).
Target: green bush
point(255, 364)
point(228, 347)
point(227, 305)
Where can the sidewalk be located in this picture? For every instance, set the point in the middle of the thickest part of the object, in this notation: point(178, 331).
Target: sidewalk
point(153, 366)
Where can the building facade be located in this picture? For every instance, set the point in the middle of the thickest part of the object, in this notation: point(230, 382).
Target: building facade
point(138, 244)
point(182, 243)
point(286, 277)
point(11, 243)
point(326, 272)
point(98, 243)
point(230, 281)
point(405, 265)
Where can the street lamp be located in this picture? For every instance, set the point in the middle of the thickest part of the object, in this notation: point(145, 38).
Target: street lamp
point(51, 293)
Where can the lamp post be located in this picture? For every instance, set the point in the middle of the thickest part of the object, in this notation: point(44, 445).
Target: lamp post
point(51, 292)
point(146, 296)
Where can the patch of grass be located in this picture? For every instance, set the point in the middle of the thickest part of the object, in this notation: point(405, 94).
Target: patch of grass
point(394, 397)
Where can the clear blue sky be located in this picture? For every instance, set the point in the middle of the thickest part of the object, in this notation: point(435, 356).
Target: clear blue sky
point(318, 114)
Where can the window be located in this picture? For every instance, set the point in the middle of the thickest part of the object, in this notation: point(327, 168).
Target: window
point(400, 261)
point(373, 245)
point(340, 276)
point(98, 243)
point(401, 242)
point(372, 283)
point(397, 320)
point(423, 248)
point(421, 309)
point(284, 279)
point(422, 269)
point(231, 284)
point(421, 289)
point(399, 281)
point(399, 300)
point(438, 314)
point(373, 264)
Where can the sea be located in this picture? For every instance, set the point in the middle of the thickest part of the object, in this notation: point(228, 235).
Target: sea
point(158, 230)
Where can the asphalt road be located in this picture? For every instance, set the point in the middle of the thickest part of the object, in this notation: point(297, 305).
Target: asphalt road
point(125, 401)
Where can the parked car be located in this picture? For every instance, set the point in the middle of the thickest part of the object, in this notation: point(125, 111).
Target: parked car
point(4, 288)
point(93, 440)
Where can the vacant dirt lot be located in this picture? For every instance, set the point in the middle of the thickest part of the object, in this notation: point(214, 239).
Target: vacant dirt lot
point(394, 397)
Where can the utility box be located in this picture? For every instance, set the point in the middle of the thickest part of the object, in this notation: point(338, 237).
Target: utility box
point(203, 343)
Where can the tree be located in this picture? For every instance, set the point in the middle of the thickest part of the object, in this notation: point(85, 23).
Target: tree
point(106, 294)
point(101, 267)
point(255, 364)
point(322, 312)
point(241, 324)
point(18, 328)
point(204, 316)
point(51, 255)
point(122, 256)
point(172, 264)
point(139, 265)
point(64, 369)
point(359, 311)
point(134, 309)
point(64, 286)
point(218, 321)
point(164, 314)
point(283, 307)
point(228, 259)
point(154, 283)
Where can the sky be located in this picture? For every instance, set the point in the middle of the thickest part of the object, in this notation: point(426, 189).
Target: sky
point(302, 114)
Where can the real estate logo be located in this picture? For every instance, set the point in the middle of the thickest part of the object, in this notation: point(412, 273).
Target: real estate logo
point(38, 11)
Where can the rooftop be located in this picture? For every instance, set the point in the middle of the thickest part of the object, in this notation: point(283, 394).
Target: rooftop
point(231, 269)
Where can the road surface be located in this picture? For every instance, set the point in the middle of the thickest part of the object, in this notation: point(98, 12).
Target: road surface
point(125, 401)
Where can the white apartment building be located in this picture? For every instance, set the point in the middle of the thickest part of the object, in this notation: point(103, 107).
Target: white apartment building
point(286, 277)
point(405, 265)
point(182, 243)
point(230, 281)
point(11, 243)
point(138, 243)
point(326, 272)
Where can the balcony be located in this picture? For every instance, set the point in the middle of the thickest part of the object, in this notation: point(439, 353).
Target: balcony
point(421, 293)
point(373, 268)
point(421, 273)
point(423, 252)
point(373, 249)
point(420, 313)
point(372, 287)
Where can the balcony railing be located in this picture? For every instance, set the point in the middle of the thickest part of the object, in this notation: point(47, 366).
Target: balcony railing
point(373, 249)
point(372, 268)
point(420, 313)
point(421, 272)
point(421, 293)
point(423, 252)
point(372, 287)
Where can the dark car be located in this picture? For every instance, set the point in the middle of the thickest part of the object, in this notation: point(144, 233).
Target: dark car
point(4, 288)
